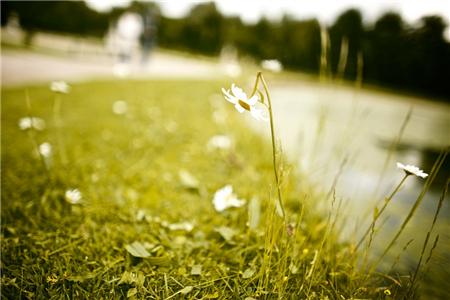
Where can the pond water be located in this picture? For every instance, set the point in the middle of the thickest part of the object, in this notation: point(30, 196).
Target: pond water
point(327, 128)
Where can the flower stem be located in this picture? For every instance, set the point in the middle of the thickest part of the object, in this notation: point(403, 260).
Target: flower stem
point(272, 131)
point(425, 243)
point(434, 170)
point(375, 218)
point(57, 122)
point(32, 136)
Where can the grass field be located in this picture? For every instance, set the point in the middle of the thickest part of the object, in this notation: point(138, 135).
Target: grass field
point(146, 226)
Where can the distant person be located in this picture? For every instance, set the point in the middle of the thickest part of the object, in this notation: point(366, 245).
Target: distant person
point(229, 61)
point(126, 39)
point(148, 36)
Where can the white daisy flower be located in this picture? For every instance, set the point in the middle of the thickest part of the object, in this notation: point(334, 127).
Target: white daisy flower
point(225, 198)
point(272, 65)
point(73, 196)
point(31, 123)
point(45, 149)
point(242, 103)
point(60, 87)
point(120, 107)
point(219, 142)
point(412, 170)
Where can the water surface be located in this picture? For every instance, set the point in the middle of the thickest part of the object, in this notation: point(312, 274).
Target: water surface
point(326, 128)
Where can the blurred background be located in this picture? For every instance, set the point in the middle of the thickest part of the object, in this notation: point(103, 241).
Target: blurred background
point(357, 85)
point(401, 45)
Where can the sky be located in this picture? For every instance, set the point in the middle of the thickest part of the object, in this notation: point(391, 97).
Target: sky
point(325, 11)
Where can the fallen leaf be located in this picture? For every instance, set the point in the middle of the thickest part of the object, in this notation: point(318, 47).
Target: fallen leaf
point(226, 232)
point(196, 270)
point(293, 268)
point(186, 289)
point(134, 278)
point(215, 295)
point(248, 273)
point(254, 213)
point(162, 261)
point(137, 250)
point(131, 292)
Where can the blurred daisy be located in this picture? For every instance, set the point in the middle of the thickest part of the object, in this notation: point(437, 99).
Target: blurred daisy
point(219, 142)
point(219, 116)
point(120, 107)
point(412, 170)
point(272, 65)
point(225, 198)
point(31, 123)
point(188, 180)
point(242, 103)
point(60, 87)
point(171, 126)
point(121, 70)
point(186, 226)
point(45, 149)
point(73, 196)
point(232, 69)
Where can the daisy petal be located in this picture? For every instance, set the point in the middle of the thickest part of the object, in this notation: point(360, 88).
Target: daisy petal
point(400, 165)
point(412, 170)
point(226, 92)
point(238, 92)
point(239, 108)
point(253, 99)
point(225, 198)
point(228, 96)
point(259, 114)
point(231, 100)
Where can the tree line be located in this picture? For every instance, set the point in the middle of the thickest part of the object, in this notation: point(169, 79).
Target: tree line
point(388, 52)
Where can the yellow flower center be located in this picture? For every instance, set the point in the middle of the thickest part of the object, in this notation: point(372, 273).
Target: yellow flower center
point(244, 105)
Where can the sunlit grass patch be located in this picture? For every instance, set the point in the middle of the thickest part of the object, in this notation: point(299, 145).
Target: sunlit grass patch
point(129, 211)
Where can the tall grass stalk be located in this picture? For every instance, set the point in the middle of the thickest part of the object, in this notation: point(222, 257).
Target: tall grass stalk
point(359, 70)
point(336, 177)
point(317, 256)
point(397, 259)
point(427, 238)
point(351, 130)
point(391, 151)
point(392, 147)
point(324, 75)
point(358, 84)
point(436, 240)
point(324, 51)
point(343, 56)
point(436, 167)
point(273, 234)
point(377, 215)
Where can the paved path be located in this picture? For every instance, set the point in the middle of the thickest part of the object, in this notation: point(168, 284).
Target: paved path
point(23, 67)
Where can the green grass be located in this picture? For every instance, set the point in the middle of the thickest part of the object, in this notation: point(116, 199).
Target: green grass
point(128, 166)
